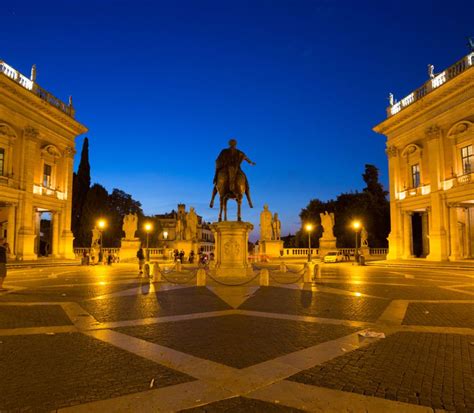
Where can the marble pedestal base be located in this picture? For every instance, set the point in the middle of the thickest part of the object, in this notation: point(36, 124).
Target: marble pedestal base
point(231, 253)
point(129, 249)
point(326, 245)
point(271, 248)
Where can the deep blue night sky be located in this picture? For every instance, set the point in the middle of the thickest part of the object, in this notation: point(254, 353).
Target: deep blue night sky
point(163, 85)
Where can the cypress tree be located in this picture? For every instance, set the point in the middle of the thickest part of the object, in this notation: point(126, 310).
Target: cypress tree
point(80, 188)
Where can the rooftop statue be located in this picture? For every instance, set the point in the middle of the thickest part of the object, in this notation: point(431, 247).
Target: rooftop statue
point(229, 179)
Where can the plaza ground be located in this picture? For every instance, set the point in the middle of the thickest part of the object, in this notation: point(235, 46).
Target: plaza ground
point(100, 339)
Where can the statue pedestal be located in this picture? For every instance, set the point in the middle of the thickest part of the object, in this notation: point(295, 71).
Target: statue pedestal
point(129, 249)
point(231, 243)
point(326, 245)
point(271, 248)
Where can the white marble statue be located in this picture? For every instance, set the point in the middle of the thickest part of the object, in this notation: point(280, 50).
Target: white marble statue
point(130, 224)
point(276, 227)
point(327, 222)
point(95, 237)
point(265, 224)
point(363, 238)
point(191, 224)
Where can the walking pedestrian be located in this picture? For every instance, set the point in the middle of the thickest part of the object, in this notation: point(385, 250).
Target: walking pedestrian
point(4, 251)
point(141, 260)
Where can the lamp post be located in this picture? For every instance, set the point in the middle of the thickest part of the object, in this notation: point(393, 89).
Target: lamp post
point(309, 228)
point(356, 225)
point(101, 224)
point(165, 237)
point(148, 228)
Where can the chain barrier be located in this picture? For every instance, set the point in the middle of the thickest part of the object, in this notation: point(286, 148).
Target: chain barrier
point(163, 271)
point(295, 272)
point(179, 282)
point(282, 282)
point(208, 273)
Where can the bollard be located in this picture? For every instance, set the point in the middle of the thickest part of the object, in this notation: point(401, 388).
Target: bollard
point(264, 277)
point(317, 272)
point(179, 266)
point(146, 270)
point(156, 272)
point(201, 277)
point(282, 267)
point(308, 272)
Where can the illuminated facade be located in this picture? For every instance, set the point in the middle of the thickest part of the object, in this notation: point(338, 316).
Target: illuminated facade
point(430, 138)
point(37, 133)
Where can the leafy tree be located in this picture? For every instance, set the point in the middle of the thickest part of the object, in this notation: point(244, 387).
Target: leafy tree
point(96, 206)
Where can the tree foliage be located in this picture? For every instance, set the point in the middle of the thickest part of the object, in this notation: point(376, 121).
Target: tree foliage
point(369, 206)
point(81, 183)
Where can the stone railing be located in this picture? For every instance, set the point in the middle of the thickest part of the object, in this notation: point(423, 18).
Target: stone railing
point(42, 190)
point(458, 181)
point(441, 78)
point(302, 252)
point(35, 88)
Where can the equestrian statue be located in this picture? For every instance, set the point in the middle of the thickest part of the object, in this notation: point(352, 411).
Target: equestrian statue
point(229, 180)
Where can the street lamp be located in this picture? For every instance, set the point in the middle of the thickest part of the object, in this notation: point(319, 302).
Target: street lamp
point(356, 225)
point(148, 228)
point(101, 224)
point(309, 228)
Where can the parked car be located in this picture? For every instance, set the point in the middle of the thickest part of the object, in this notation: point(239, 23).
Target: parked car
point(334, 256)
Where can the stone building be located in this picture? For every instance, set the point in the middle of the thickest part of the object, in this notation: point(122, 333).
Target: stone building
point(430, 138)
point(37, 133)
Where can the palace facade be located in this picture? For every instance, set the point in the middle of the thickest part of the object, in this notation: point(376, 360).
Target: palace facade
point(37, 133)
point(430, 138)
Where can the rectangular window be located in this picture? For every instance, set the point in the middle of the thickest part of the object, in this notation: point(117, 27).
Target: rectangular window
point(415, 175)
point(467, 159)
point(47, 175)
point(2, 161)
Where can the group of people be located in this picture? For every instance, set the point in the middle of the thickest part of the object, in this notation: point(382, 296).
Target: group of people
point(92, 258)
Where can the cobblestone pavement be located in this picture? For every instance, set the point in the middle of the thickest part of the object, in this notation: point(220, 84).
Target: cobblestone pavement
point(435, 370)
point(258, 339)
point(440, 314)
point(100, 339)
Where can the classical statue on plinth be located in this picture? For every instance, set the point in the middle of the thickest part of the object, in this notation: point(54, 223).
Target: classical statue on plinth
point(276, 227)
point(129, 226)
point(229, 179)
point(265, 224)
point(327, 222)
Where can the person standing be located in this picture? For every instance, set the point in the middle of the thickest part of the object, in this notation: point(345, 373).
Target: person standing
point(141, 260)
point(4, 251)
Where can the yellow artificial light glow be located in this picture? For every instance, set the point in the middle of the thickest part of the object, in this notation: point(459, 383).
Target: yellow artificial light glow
point(356, 224)
point(148, 227)
point(101, 223)
point(308, 227)
point(165, 234)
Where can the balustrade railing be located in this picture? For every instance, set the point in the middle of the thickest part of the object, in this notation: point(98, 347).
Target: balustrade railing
point(33, 87)
point(440, 79)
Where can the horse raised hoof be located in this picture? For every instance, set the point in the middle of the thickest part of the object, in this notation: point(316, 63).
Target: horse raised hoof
point(211, 205)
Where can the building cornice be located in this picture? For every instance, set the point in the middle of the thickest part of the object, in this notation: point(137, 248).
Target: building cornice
point(25, 97)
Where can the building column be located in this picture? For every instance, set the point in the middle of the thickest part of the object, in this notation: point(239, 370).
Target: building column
point(455, 253)
point(425, 233)
point(55, 220)
point(438, 234)
point(407, 235)
point(66, 249)
point(394, 238)
point(11, 230)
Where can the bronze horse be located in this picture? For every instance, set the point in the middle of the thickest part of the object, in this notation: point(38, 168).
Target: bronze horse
point(227, 191)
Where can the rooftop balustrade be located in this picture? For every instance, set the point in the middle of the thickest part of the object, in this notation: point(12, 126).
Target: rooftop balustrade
point(33, 87)
point(438, 80)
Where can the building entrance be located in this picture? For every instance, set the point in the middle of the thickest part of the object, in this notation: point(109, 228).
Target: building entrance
point(417, 234)
point(44, 234)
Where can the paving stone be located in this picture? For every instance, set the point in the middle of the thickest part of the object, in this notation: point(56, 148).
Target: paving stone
point(402, 292)
point(242, 404)
point(163, 303)
point(440, 314)
point(236, 340)
point(16, 316)
point(304, 302)
point(388, 361)
point(67, 293)
point(41, 373)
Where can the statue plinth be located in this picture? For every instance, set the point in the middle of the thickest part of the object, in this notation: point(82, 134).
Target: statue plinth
point(231, 248)
point(129, 249)
point(326, 245)
point(272, 248)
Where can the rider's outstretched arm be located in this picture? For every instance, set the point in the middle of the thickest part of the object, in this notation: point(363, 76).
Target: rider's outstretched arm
point(249, 161)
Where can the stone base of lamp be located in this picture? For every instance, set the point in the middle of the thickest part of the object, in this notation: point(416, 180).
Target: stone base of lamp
point(231, 248)
point(129, 249)
point(272, 248)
